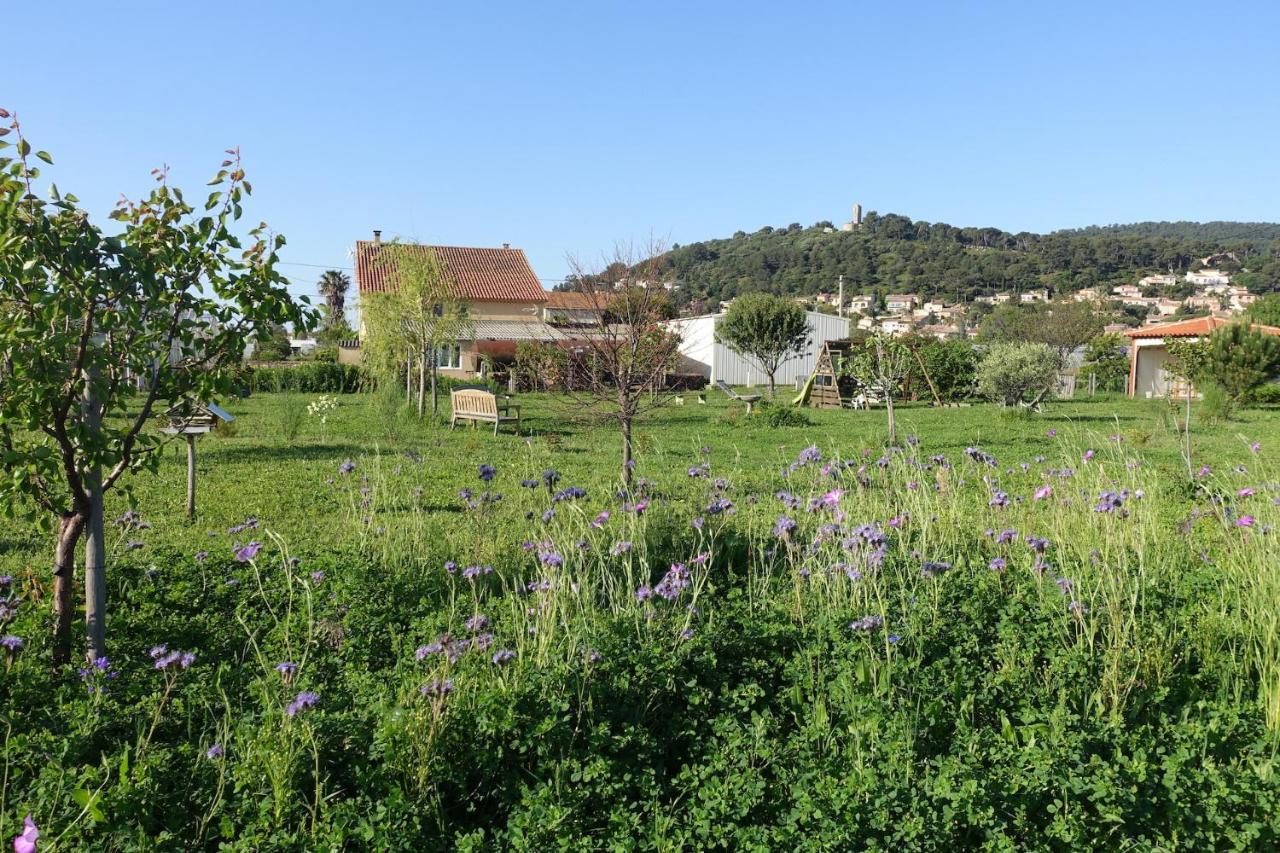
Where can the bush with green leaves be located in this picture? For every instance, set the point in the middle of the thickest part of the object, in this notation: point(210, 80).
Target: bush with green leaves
point(1016, 373)
point(309, 377)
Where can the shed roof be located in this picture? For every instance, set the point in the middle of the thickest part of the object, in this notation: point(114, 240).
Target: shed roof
point(1195, 328)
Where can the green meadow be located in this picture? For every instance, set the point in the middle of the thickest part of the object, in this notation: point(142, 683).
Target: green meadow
point(1009, 631)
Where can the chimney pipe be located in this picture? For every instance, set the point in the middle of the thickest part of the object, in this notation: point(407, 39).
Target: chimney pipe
point(377, 237)
point(506, 245)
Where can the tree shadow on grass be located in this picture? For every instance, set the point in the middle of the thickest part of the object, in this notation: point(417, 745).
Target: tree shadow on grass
point(285, 453)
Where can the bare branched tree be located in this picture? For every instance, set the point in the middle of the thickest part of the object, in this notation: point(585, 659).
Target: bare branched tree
point(618, 363)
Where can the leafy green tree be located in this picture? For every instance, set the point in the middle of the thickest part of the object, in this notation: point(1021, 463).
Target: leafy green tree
point(1265, 311)
point(1240, 360)
point(1016, 373)
point(416, 319)
point(1106, 358)
point(1007, 324)
point(952, 367)
point(101, 332)
point(333, 287)
point(766, 329)
point(274, 345)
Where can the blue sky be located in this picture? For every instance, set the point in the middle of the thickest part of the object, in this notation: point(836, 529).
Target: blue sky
point(566, 129)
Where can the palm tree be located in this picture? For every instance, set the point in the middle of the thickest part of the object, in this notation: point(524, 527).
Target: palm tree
point(333, 288)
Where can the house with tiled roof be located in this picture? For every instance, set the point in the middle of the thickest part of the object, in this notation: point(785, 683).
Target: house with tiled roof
point(504, 298)
point(1149, 349)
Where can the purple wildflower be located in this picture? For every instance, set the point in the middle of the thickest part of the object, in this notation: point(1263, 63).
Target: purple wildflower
point(439, 687)
point(248, 552)
point(347, 467)
point(866, 624)
point(620, 548)
point(26, 841)
point(214, 752)
point(478, 622)
point(487, 472)
point(503, 656)
point(304, 700)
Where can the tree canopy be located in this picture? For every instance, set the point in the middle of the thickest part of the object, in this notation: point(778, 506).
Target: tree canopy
point(891, 253)
point(766, 329)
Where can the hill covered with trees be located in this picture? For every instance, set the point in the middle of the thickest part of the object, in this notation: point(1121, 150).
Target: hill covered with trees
point(891, 253)
point(1216, 231)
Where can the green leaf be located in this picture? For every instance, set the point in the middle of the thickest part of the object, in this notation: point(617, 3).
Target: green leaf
point(24, 148)
point(44, 155)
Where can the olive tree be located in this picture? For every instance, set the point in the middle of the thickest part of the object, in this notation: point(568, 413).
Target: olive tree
point(765, 329)
point(1015, 373)
point(101, 332)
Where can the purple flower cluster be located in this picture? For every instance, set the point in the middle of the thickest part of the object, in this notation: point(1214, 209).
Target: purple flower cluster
point(304, 700)
point(171, 660)
point(438, 688)
point(674, 582)
point(981, 456)
point(866, 624)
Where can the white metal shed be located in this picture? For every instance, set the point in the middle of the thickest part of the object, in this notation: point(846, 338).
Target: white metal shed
point(702, 354)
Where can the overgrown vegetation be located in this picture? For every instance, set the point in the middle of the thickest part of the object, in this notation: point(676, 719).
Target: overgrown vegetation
point(1018, 634)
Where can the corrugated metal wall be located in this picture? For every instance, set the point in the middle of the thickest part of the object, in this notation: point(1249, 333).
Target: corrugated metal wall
point(702, 354)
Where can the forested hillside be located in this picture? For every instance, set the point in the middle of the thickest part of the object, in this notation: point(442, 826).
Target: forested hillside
point(892, 253)
point(1217, 231)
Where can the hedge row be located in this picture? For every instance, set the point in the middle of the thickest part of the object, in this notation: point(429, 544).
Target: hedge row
point(314, 377)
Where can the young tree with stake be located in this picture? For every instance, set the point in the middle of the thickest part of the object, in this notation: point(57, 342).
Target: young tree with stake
point(99, 333)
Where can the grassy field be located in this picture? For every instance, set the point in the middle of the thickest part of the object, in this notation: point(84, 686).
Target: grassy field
point(1012, 632)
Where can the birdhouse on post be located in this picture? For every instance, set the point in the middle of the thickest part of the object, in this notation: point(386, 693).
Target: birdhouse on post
point(190, 419)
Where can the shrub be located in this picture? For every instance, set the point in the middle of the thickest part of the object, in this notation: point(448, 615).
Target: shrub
point(1016, 373)
point(311, 377)
point(1267, 395)
point(1216, 405)
point(774, 415)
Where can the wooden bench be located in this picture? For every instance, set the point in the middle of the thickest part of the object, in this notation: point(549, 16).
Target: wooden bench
point(481, 405)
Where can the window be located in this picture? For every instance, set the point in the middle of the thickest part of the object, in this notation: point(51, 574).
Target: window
point(449, 356)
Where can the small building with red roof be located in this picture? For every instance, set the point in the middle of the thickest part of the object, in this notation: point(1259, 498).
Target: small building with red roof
point(1148, 351)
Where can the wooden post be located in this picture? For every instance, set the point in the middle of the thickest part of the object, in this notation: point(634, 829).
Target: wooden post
point(191, 477)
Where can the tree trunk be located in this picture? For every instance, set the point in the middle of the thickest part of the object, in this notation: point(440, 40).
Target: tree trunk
point(422, 385)
point(627, 458)
point(191, 478)
point(70, 527)
point(408, 380)
point(771, 386)
point(435, 391)
point(893, 423)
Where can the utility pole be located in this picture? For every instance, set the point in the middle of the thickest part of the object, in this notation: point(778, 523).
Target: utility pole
point(840, 304)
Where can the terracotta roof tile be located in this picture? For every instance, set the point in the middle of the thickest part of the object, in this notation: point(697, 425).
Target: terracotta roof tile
point(1197, 327)
point(569, 300)
point(493, 275)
